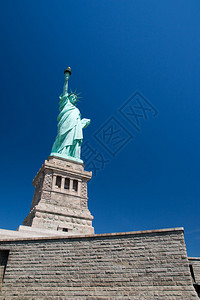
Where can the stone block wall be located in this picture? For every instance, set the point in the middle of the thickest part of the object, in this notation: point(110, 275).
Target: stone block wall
point(146, 265)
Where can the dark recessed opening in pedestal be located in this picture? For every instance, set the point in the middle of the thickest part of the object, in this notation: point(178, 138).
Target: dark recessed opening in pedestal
point(66, 186)
point(58, 181)
point(75, 185)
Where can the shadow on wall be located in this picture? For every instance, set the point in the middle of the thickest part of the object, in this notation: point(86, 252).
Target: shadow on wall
point(3, 262)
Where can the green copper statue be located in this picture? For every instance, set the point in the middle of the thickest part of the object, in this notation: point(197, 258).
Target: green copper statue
point(70, 126)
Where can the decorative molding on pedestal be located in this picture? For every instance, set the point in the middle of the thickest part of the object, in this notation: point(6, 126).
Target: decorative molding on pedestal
point(60, 199)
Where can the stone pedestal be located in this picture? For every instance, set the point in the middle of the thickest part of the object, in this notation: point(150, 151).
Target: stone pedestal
point(60, 199)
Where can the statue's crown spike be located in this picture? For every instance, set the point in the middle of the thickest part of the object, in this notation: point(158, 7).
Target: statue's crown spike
point(74, 93)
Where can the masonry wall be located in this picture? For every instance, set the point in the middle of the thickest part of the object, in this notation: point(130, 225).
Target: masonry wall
point(140, 265)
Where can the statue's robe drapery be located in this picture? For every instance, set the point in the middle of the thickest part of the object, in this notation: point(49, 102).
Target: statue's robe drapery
point(70, 128)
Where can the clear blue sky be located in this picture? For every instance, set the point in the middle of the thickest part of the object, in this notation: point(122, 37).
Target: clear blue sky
point(114, 47)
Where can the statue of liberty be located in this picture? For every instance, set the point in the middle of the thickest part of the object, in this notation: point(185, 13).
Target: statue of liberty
point(70, 126)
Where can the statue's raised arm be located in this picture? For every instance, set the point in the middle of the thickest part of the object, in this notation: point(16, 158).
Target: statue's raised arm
point(67, 73)
point(70, 126)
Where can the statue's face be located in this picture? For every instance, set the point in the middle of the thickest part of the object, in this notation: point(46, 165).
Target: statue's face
point(73, 99)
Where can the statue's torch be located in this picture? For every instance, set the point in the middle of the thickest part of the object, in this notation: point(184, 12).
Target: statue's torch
point(68, 72)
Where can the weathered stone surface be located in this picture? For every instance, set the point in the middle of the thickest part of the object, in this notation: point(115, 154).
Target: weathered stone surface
point(60, 198)
point(147, 265)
